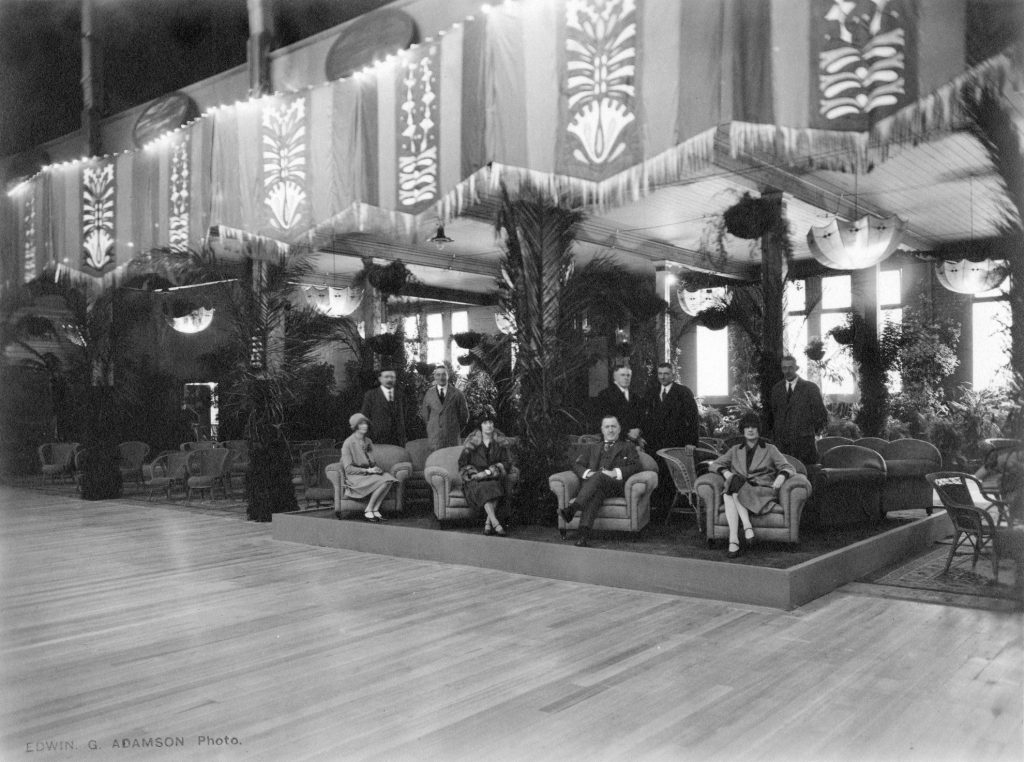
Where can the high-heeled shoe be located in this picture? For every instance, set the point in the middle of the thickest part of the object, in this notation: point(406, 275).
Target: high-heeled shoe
point(748, 535)
point(733, 553)
point(500, 530)
point(380, 517)
point(371, 518)
point(488, 529)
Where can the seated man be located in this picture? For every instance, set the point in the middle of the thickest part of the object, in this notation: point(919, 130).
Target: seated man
point(603, 470)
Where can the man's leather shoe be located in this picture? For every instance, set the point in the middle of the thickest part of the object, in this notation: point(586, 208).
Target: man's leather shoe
point(568, 512)
point(583, 541)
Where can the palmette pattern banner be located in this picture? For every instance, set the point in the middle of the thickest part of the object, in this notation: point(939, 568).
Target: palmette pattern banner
point(606, 98)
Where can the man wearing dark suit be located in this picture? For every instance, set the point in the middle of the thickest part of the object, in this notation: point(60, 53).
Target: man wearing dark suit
point(671, 419)
point(383, 406)
point(445, 411)
point(797, 414)
point(619, 401)
point(603, 469)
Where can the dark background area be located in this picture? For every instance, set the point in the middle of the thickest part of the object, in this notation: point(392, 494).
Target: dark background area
point(149, 48)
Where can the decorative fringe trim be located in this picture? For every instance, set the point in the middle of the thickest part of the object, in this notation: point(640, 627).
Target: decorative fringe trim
point(942, 110)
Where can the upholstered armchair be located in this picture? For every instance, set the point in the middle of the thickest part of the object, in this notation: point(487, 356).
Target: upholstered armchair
point(781, 524)
point(442, 474)
point(393, 460)
point(630, 512)
point(848, 487)
point(825, 444)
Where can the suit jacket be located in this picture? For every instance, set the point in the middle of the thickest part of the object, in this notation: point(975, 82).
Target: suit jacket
point(387, 419)
point(445, 422)
point(622, 455)
point(672, 422)
point(802, 415)
point(612, 401)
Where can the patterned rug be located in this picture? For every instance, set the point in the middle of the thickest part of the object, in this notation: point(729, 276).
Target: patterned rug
point(926, 573)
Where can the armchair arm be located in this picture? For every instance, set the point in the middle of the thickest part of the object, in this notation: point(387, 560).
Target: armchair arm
point(335, 476)
point(440, 482)
point(637, 486)
point(793, 496)
point(709, 488)
point(401, 471)
point(565, 485)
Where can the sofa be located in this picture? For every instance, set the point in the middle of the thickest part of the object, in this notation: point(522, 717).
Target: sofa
point(392, 459)
point(848, 487)
point(417, 491)
point(781, 524)
point(442, 474)
point(629, 513)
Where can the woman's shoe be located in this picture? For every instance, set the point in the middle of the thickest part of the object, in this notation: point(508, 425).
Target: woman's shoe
point(488, 529)
point(379, 516)
point(499, 530)
point(733, 553)
point(748, 535)
point(371, 518)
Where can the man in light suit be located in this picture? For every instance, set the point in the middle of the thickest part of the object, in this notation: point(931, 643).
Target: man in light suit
point(603, 470)
point(623, 403)
point(797, 414)
point(384, 407)
point(671, 419)
point(445, 412)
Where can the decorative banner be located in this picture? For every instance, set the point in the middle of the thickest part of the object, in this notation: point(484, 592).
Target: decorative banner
point(863, 61)
point(285, 172)
point(178, 219)
point(855, 245)
point(336, 302)
point(418, 120)
point(966, 277)
point(29, 236)
point(98, 217)
point(600, 134)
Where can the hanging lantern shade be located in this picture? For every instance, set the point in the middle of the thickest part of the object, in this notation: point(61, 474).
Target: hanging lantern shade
point(195, 321)
point(336, 302)
point(856, 245)
point(966, 277)
point(694, 302)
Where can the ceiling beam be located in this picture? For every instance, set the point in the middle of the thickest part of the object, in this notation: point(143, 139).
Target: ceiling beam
point(447, 259)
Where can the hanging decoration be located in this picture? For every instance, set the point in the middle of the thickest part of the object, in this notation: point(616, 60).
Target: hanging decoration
point(98, 217)
point(504, 323)
point(178, 218)
point(599, 80)
point(966, 277)
point(419, 117)
point(284, 164)
point(695, 301)
point(749, 217)
point(336, 302)
point(855, 245)
point(193, 321)
point(29, 222)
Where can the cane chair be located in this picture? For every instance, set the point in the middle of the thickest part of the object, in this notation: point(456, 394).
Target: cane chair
point(210, 469)
point(133, 456)
point(204, 444)
point(974, 525)
point(167, 472)
point(716, 444)
point(317, 487)
point(57, 459)
point(684, 473)
point(240, 462)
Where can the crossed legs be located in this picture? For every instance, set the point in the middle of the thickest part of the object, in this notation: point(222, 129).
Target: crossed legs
point(735, 514)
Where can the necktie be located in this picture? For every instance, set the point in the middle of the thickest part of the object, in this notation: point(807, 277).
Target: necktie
point(387, 393)
point(664, 391)
point(789, 390)
point(440, 394)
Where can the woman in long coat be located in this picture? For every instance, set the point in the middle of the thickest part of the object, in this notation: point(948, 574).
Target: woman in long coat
point(483, 463)
point(753, 470)
point(363, 477)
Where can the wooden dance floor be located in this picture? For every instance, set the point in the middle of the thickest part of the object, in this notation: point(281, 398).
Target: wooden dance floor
point(138, 631)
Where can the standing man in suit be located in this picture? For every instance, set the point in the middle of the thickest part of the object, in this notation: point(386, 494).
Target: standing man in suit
point(617, 400)
point(797, 414)
point(445, 412)
point(383, 406)
point(671, 419)
point(603, 470)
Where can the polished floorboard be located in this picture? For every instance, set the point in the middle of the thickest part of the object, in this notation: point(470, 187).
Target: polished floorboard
point(129, 624)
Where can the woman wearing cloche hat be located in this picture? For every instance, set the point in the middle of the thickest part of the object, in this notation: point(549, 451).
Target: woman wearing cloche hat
point(363, 477)
point(483, 463)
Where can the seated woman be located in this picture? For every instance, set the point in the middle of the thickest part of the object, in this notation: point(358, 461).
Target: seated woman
point(483, 463)
point(753, 471)
point(363, 477)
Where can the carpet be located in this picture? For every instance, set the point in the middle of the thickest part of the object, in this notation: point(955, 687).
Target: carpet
point(926, 573)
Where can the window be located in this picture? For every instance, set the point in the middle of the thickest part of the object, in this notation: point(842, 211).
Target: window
point(712, 362)
point(795, 324)
point(835, 305)
point(411, 329)
point(460, 324)
point(990, 334)
point(435, 339)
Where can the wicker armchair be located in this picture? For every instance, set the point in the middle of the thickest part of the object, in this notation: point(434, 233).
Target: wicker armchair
point(57, 459)
point(133, 456)
point(684, 473)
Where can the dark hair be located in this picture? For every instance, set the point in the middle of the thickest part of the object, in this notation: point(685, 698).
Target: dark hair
point(621, 366)
point(749, 420)
point(666, 365)
point(387, 369)
point(487, 414)
point(610, 415)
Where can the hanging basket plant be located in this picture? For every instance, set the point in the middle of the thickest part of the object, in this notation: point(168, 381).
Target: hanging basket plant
point(714, 318)
point(843, 334)
point(749, 217)
point(468, 339)
point(466, 360)
point(390, 279)
point(423, 368)
point(815, 350)
point(385, 343)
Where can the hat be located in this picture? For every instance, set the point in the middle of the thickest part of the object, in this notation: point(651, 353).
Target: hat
point(749, 419)
point(486, 414)
point(356, 419)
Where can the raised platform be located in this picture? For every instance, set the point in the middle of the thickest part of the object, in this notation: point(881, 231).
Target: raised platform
point(720, 580)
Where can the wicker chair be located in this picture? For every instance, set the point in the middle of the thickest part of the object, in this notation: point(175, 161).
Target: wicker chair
point(210, 468)
point(133, 456)
point(205, 444)
point(57, 459)
point(168, 471)
point(240, 462)
point(684, 473)
point(317, 486)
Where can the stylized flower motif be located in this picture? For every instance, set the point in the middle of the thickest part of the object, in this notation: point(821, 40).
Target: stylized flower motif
point(98, 216)
point(284, 163)
point(601, 47)
point(285, 202)
point(418, 154)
